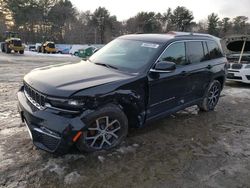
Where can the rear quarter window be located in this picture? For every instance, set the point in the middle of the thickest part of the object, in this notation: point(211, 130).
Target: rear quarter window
point(214, 50)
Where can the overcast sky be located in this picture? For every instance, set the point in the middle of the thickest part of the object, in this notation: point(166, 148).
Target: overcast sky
point(125, 9)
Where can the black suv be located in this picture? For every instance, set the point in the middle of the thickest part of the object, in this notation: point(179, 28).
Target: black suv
point(132, 80)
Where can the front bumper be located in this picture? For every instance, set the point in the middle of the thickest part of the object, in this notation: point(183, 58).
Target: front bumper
point(16, 48)
point(241, 75)
point(51, 50)
point(50, 129)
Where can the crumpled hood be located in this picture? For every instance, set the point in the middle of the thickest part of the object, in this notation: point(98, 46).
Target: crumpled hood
point(235, 44)
point(65, 79)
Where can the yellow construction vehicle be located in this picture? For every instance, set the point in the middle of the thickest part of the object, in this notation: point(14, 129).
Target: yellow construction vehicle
point(48, 47)
point(12, 43)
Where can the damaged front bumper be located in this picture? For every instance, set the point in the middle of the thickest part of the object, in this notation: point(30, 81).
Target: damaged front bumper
point(50, 129)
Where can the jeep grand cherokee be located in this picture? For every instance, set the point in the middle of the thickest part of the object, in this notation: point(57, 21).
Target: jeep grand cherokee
point(131, 81)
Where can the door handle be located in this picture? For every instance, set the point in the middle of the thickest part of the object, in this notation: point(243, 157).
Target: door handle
point(209, 66)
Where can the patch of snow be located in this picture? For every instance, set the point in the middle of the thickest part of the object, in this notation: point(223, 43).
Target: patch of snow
point(30, 53)
point(101, 158)
point(5, 115)
point(11, 131)
point(72, 177)
point(136, 145)
point(1, 153)
point(194, 110)
point(53, 166)
point(237, 92)
point(124, 150)
point(6, 162)
point(70, 157)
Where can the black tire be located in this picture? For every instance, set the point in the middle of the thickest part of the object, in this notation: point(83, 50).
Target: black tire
point(43, 50)
point(3, 47)
point(21, 52)
point(116, 122)
point(211, 97)
point(8, 50)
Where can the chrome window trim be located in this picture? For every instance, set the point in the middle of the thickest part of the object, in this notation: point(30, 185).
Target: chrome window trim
point(189, 40)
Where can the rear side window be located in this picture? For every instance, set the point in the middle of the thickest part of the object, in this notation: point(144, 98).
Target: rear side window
point(175, 53)
point(214, 50)
point(195, 52)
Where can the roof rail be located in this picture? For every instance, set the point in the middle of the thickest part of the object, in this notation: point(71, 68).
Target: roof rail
point(180, 34)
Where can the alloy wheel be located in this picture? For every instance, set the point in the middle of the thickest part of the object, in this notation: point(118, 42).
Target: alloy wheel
point(103, 133)
point(213, 96)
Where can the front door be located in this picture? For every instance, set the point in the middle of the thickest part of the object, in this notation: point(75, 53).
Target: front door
point(168, 90)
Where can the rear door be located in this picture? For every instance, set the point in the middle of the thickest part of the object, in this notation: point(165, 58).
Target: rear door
point(200, 71)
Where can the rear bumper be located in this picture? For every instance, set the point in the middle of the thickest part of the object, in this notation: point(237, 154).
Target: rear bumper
point(50, 130)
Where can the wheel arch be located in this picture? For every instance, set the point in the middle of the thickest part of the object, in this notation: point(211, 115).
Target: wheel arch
point(221, 79)
point(129, 102)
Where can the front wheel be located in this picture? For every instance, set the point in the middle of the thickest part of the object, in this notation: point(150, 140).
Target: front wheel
point(107, 128)
point(211, 97)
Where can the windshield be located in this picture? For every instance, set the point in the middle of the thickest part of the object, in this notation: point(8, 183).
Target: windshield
point(126, 55)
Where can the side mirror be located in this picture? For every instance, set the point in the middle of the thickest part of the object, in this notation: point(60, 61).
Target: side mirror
point(164, 66)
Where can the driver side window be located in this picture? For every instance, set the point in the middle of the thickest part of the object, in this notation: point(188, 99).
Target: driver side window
point(175, 53)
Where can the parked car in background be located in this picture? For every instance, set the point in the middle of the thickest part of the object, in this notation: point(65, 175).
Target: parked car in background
point(48, 47)
point(239, 58)
point(87, 52)
point(130, 82)
point(32, 47)
point(38, 47)
point(75, 47)
point(63, 48)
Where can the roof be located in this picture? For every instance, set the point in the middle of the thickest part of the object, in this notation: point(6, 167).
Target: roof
point(163, 38)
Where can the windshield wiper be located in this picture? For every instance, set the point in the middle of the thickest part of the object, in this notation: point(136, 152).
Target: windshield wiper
point(106, 65)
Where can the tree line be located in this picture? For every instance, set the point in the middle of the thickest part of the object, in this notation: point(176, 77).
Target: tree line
point(60, 21)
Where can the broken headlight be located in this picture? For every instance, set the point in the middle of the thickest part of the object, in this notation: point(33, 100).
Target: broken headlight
point(67, 103)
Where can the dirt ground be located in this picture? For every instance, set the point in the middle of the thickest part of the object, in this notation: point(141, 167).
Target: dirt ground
point(187, 149)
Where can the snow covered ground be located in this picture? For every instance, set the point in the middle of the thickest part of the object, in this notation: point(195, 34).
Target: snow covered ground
point(31, 53)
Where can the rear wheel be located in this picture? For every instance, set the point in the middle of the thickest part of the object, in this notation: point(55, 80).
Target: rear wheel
point(8, 50)
point(3, 47)
point(107, 128)
point(211, 97)
point(21, 51)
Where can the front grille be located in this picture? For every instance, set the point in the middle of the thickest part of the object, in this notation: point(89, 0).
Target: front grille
point(236, 66)
point(36, 98)
point(49, 141)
